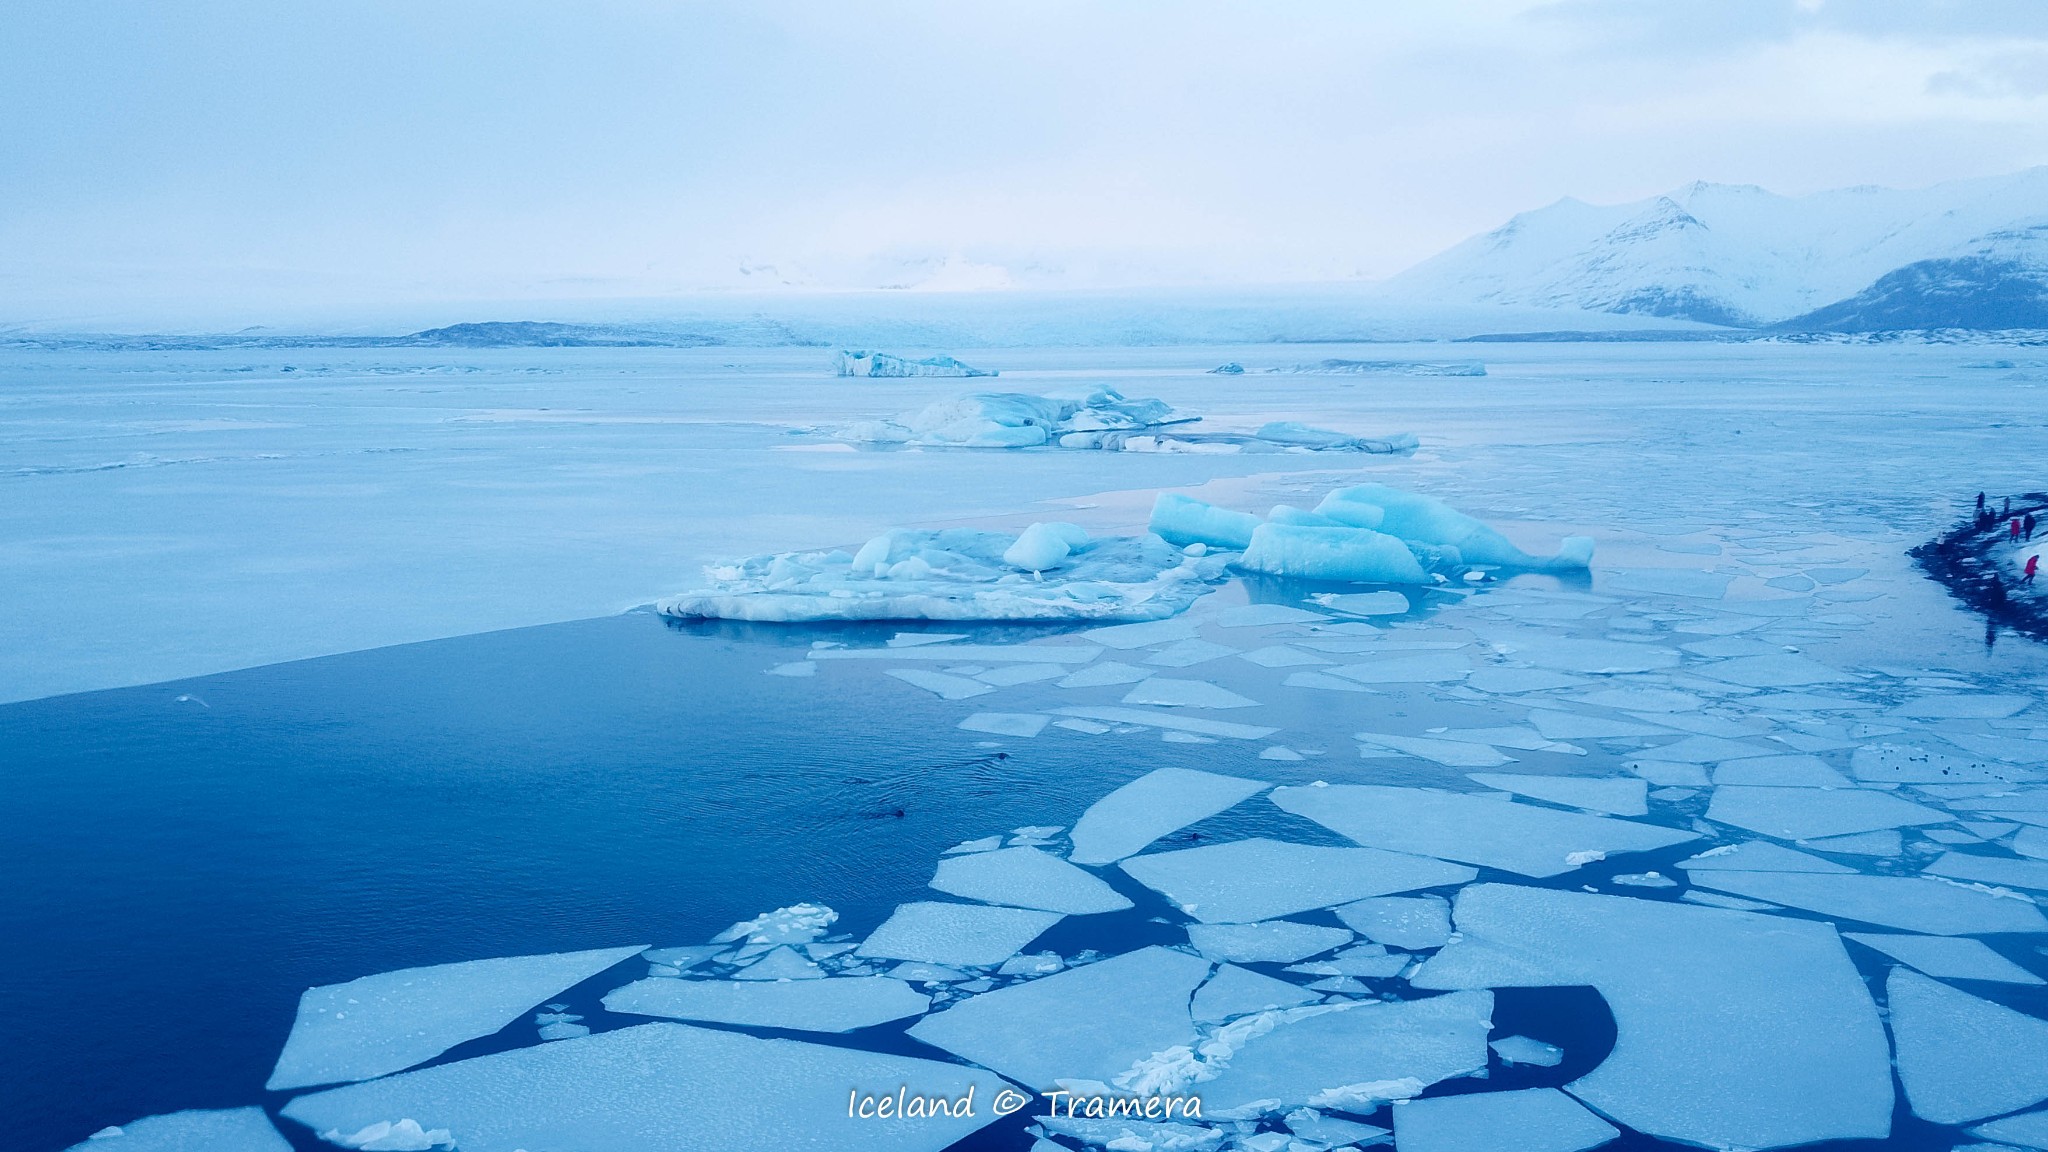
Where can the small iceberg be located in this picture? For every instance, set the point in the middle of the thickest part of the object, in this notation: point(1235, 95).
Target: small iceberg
point(882, 364)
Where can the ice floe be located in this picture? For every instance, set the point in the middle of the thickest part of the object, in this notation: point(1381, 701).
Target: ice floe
point(829, 1005)
point(1274, 941)
point(1615, 795)
point(1026, 878)
point(1453, 826)
point(1092, 1022)
point(1902, 764)
point(664, 1088)
point(1172, 693)
point(941, 933)
point(1351, 1056)
point(1172, 722)
point(1949, 957)
point(199, 1130)
point(1733, 1030)
point(1235, 991)
point(1257, 879)
point(1527, 1051)
point(1759, 856)
point(1962, 1058)
point(1806, 813)
point(1529, 1120)
point(1909, 902)
point(1403, 921)
point(394, 1020)
point(1022, 724)
point(2029, 1130)
point(1991, 870)
point(1161, 801)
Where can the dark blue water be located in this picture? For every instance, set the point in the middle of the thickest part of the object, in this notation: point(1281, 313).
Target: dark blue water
point(179, 861)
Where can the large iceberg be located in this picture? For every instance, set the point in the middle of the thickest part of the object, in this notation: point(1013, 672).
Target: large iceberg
point(852, 363)
point(959, 574)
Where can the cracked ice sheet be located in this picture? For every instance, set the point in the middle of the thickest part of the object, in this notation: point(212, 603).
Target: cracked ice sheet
point(1026, 878)
point(228, 1130)
point(2001, 870)
point(1235, 991)
point(1615, 795)
point(394, 1020)
point(1094, 1022)
point(832, 1005)
point(1251, 880)
point(1732, 1029)
point(1352, 1056)
point(1809, 813)
point(1962, 1058)
point(970, 934)
point(1529, 1120)
point(1274, 942)
point(661, 1088)
point(1562, 654)
point(1949, 957)
point(1453, 826)
point(1161, 801)
point(1908, 902)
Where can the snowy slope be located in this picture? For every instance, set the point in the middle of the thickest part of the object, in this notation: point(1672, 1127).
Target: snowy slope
point(1734, 254)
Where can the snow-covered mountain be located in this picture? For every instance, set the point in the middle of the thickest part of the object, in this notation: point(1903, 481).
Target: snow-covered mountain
point(1739, 255)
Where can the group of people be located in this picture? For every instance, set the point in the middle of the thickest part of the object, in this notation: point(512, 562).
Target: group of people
point(2019, 529)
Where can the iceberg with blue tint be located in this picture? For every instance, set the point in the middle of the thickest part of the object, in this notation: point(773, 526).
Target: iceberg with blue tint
point(1426, 520)
point(394, 1020)
point(1358, 555)
point(883, 364)
point(959, 574)
point(1182, 521)
point(1017, 420)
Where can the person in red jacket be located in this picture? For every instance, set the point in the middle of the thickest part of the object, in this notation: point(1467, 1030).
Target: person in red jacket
point(2033, 565)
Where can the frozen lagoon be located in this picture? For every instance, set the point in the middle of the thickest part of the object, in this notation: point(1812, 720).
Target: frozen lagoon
point(523, 765)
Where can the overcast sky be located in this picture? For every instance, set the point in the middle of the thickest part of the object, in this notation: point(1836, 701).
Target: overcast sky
point(252, 151)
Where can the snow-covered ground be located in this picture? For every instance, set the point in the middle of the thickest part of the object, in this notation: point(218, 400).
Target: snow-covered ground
point(170, 514)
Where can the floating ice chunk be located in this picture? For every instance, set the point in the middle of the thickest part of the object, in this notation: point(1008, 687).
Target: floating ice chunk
point(1171, 693)
point(1041, 546)
point(1185, 738)
point(1273, 942)
point(1670, 775)
point(394, 1020)
point(985, 844)
point(1529, 1120)
point(837, 1005)
point(1186, 653)
point(1171, 722)
point(1642, 700)
point(1949, 957)
point(1571, 726)
point(1733, 1030)
point(1235, 991)
point(663, 1088)
point(1161, 801)
point(916, 639)
point(1015, 674)
point(1281, 656)
point(970, 653)
point(1884, 843)
point(1249, 880)
point(969, 934)
point(1385, 603)
point(1323, 682)
point(1616, 795)
point(1279, 752)
point(1780, 771)
point(1899, 764)
point(927, 974)
point(1027, 878)
point(939, 683)
point(1421, 668)
point(1962, 1058)
point(1805, 813)
point(226, 1130)
point(1038, 964)
point(1359, 555)
point(781, 963)
point(1127, 636)
point(1670, 582)
point(796, 924)
point(1263, 615)
point(1451, 753)
point(2029, 1130)
point(1515, 837)
point(1992, 870)
point(688, 956)
point(1759, 856)
point(1700, 750)
point(1403, 921)
point(1429, 521)
point(1107, 673)
point(1520, 680)
point(1181, 521)
point(1785, 670)
point(1567, 654)
point(1005, 723)
point(1351, 1056)
point(1523, 1050)
point(562, 1030)
point(1908, 902)
point(1094, 1022)
point(1368, 960)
